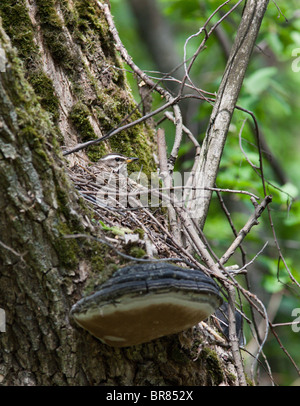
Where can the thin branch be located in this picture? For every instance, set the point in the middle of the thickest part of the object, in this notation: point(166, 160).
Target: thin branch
point(170, 117)
point(123, 51)
point(242, 192)
point(285, 350)
point(154, 86)
point(252, 260)
point(280, 12)
point(289, 323)
point(234, 341)
point(214, 141)
point(202, 45)
point(242, 149)
point(167, 179)
point(246, 229)
point(178, 137)
point(122, 128)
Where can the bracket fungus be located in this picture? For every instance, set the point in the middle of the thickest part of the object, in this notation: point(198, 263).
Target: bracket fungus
point(142, 302)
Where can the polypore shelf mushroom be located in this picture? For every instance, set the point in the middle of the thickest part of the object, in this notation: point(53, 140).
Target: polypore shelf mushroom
point(142, 302)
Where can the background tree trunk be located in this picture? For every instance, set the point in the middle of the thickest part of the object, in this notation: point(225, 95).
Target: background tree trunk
point(62, 84)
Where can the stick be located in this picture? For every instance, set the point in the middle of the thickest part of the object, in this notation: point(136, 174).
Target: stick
point(167, 178)
point(233, 337)
point(246, 229)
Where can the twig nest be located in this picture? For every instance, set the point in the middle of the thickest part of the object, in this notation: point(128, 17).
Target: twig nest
point(142, 302)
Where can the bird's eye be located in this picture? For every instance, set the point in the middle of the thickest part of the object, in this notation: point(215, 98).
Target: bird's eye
point(117, 159)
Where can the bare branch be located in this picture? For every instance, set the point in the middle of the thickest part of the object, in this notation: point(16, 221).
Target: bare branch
point(246, 229)
point(252, 260)
point(202, 45)
point(178, 137)
point(233, 337)
point(122, 128)
point(226, 99)
point(242, 149)
point(167, 178)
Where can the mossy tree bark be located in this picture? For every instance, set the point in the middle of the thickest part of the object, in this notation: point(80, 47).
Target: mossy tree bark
point(62, 84)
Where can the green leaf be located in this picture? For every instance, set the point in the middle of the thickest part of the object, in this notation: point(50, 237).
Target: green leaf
point(276, 279)
point(293, 216)
point(290, 189)
point(260, 80)
point(115, 230)
point(275, 43)
point(296, 37)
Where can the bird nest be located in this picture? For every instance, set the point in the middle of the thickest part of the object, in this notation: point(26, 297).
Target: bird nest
point(136, 232)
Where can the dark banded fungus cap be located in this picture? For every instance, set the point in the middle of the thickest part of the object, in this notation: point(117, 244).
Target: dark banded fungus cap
point(142, 302)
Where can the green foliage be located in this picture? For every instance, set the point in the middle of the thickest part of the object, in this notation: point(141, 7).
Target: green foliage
point(276, 278)
point(260, 80)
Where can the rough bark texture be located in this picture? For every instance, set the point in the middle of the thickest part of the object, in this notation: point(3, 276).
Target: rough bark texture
point(61, 84)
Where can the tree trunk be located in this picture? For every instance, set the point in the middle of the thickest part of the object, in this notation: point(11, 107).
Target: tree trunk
point(61, 83)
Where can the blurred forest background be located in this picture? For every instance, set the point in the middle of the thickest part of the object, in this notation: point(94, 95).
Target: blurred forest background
point(155, 33)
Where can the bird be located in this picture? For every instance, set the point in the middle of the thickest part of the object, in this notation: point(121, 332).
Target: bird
point(111, 176)
point(113, 163)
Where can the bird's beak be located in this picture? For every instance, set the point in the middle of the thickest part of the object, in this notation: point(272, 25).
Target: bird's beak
point(129, 160)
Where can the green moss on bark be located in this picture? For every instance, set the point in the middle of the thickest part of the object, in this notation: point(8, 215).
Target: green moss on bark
point(18, 26)
point(37, 173)
point(56, 37)
point(213, 365)
point(79, 116)
point(44, 89)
